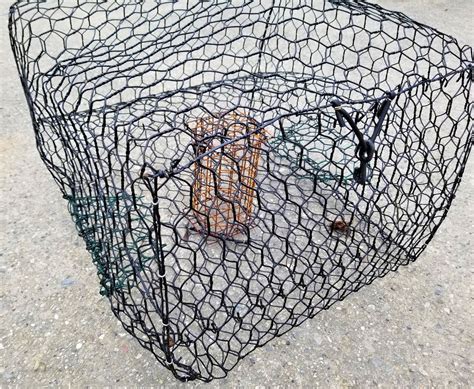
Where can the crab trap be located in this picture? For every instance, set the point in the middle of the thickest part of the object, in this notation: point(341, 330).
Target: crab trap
point(237, 166)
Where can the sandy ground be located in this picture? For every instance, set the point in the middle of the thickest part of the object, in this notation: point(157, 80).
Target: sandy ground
point(410, 329)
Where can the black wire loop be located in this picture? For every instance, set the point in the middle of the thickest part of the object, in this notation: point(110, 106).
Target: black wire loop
point(365, 149)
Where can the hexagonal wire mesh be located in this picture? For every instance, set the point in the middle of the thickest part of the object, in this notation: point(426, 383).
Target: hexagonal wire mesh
point(237, 166)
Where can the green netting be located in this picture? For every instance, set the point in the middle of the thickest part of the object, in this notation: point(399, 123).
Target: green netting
point(129, 259)
point(312, 149)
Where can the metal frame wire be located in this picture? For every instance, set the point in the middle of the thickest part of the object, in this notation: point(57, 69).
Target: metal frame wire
point(236, 166)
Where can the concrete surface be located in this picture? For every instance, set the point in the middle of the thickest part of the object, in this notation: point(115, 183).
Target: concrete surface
point(410, 329)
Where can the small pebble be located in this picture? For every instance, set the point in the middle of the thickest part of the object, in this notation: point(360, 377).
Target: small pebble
point(78, 346)
point(438, 290)
point(39, 365)
point(67, 282)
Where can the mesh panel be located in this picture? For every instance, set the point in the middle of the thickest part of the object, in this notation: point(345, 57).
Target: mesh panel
point(235, 167)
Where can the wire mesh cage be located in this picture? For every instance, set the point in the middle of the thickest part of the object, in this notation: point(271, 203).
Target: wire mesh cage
point(237, 166)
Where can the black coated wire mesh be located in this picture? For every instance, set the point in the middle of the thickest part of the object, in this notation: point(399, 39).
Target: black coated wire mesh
point(237, 166)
